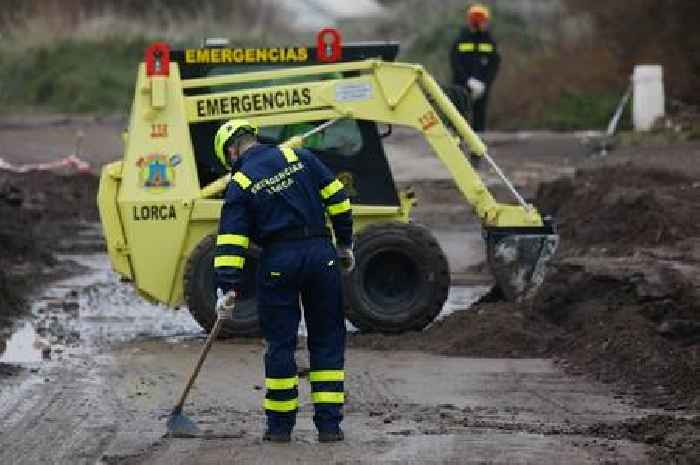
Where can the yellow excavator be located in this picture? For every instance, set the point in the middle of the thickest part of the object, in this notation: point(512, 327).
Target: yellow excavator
point(160, 204)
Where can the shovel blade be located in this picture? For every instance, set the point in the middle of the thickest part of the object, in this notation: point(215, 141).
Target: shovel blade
point(518, 258)
point(179, 425)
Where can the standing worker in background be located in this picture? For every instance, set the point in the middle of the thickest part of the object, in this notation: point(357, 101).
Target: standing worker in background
point(279, 198)
point(475, 61)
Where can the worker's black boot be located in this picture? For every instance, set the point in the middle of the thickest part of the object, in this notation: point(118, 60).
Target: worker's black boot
point(331, 436)
point(277, 437)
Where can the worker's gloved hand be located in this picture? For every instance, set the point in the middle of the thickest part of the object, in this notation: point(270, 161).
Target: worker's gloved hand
point(225, 303)
point(346, 259)
point(476, 88)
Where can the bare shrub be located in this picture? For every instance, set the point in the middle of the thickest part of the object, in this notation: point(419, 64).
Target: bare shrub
point(650, 31)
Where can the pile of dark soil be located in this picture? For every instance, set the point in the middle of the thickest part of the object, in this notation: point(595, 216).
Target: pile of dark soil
point(492, 330)
point(37, 210)
point(624, 288)
point(621, 302)
point(633, 322)
point(622, 208)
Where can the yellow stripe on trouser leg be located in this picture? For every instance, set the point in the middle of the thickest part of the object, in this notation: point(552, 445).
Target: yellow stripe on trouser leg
point(281, 383)
point(466, 47)
point(338, 208)
point(323, 397)
point(229, 260)
point(281, 405)
point(232, 239)
point(331, 189)
point(326, 375)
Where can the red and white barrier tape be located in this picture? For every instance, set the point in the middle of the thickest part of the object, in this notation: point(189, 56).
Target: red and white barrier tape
point(70, 161)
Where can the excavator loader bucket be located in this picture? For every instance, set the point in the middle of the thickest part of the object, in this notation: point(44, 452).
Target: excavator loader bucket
point(518, 258)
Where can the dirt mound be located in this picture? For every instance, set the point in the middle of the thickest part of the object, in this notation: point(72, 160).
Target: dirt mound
point(40, 208)
point(623, 207)
point(635, 322)
point(620, 302)
point(37, 210)
point(48, 196)
point(624, 288)
point(491, 330)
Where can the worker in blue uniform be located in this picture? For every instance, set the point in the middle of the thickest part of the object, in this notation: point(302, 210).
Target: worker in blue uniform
point(279, 198)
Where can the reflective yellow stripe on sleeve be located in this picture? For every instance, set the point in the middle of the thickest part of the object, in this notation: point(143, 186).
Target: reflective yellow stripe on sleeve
point(327, 375)
point(338, 208)
point(289, 154)
point(331, 189)
point(466, 47)
point(229, 260)
point(242, 180)
point(328, 397)
point(280, 405)
point(232, 239)
point(281, 383)
point(485, 48)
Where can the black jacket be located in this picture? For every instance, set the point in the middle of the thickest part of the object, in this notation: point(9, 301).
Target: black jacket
point(474, 54)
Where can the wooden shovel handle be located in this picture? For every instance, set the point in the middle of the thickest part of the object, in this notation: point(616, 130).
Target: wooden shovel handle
point(202, 356)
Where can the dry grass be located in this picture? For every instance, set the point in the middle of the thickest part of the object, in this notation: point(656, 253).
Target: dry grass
point(37, 23)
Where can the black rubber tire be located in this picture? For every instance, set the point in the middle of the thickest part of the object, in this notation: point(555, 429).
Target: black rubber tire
point(401, 279)
point(201, 297)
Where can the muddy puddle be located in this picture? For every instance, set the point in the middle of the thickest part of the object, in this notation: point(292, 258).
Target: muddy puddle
point(23, 346)
point(93, 311)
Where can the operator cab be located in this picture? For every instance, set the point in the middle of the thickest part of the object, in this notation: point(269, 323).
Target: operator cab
point(351, 148)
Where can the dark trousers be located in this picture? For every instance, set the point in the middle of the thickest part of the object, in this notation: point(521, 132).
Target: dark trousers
point(290, 270)
point(479, 109)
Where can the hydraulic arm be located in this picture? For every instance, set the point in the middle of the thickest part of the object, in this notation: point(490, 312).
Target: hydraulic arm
point(519, 242)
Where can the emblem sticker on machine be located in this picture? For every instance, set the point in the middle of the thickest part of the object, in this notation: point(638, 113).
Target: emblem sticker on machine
point(157, 171)
point(353, 92)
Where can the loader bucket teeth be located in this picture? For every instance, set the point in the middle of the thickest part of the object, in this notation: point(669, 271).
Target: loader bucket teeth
point(518, 258)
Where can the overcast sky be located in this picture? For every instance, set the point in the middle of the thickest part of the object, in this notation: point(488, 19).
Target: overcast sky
point(315, 14)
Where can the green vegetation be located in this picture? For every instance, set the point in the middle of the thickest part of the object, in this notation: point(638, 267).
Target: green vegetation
point(581, 111)
point(553, 75)
point(82, 55)
point(72, 76)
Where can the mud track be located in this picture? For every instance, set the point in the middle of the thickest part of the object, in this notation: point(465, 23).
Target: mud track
point(117, 364)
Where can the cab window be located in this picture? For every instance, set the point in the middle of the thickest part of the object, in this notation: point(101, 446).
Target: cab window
point(342, 138)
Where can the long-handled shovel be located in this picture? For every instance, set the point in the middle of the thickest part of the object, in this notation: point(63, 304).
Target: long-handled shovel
point(179, 424)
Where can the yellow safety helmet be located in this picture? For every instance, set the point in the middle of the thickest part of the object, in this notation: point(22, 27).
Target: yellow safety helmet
point(478, 15)
point(228, 130)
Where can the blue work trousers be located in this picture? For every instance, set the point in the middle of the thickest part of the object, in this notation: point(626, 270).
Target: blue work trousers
point(307, 270)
